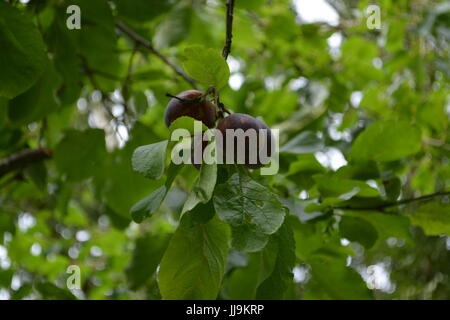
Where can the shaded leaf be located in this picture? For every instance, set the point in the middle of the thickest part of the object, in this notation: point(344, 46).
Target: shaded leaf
point(150, 160)
point(356, 229)
point(206, 66)
point(305, 142)
point(251, 209)
point(147, 255)
point(194, 262)
point(80, 154)
point(147, 206)
point(386, 141)
point(23, 52)
point(433, 218)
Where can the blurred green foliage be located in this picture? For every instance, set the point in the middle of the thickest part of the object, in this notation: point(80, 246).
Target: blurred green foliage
point(363, 116)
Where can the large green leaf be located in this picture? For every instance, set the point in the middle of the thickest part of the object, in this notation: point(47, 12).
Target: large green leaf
point(142, 10)
point(61, 44)
point(23, 57)
point(174, 28)
point(275, 285)
point(331, 279)
point(147, 255)
point(80, 154)
point(38, 101)
point(251, 209)
point(387, 225)
point(96, 42)
point(206, 66)
point(150, 160)
point(386, 141)
point(357, 229)
point(191, 125)
point(149, 205)
point(203, 188)
point(330, 186)
point(194, 263)
point(433, 218)
point(267, 273)
point(304, 142)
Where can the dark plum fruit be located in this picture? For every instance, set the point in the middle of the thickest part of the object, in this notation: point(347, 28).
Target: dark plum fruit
point(253, 147)
point(200, 109)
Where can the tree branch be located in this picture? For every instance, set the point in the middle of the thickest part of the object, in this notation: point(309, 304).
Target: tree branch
point(145, 43)
point(23, 159)
point(229, 33)
point(397, 203)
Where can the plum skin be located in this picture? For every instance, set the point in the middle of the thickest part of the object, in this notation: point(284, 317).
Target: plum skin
point(245, 122)
point(202, 110)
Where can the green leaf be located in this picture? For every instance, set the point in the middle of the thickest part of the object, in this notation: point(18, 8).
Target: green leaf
point(307, 238)
point(392, 188)
point(174, 28)
point(149, 160)
point(6, 224)
point(96, 41)
point(433, 218)
point(81, 154)
point(147, 255)
point(121, 190)
point(306, 163)
point(38, 101)
point(275, 285)
point(6, 277)
point(61, 43)
point(387, 225)
point(203, 188)
point(304, 142)
point(194, 263)
point(142, 10)
point(244, 281)
point(189, 124)
point(386, 141)
point(206, 66)
point(251, 209)
point(150, 204)
point(331, 279)
point(358, 54)
point(23, 52)
point(3, 111)
point(147, 206)
point(139, 102)
point(37, 172)
point(330, 186)
point(359, 230)
point(50, 291)
point(349, 118)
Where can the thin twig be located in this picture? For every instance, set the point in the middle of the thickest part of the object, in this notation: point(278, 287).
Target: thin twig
point(147, 44)
point(229, 32)
point(397, 203)
point(23, 159)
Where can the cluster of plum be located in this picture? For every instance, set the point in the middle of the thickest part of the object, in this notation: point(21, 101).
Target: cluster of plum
point(193, 103)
